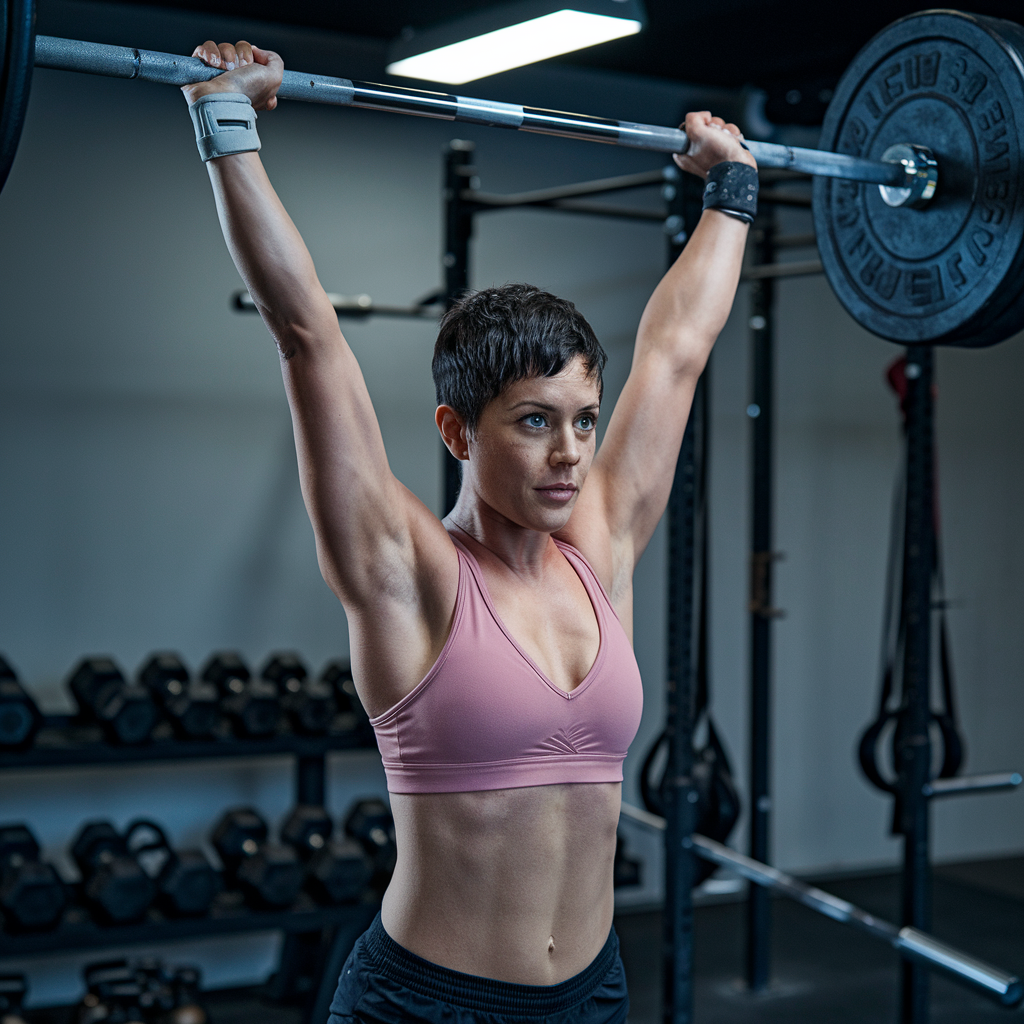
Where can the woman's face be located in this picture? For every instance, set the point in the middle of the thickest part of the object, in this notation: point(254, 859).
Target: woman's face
point(533, 446)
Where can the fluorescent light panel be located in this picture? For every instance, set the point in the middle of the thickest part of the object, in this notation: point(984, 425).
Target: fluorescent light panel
point(524, 43)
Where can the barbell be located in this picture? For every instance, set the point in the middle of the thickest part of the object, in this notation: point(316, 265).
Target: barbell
point(918, 203)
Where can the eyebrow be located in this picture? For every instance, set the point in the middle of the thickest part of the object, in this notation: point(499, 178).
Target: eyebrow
point(552, 408)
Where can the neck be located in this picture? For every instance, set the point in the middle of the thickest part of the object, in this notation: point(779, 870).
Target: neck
point(522, 550)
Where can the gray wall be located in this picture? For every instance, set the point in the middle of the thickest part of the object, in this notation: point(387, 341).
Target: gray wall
point(149, 495)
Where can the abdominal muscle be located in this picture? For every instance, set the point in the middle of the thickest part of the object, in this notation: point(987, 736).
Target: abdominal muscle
point(510, 884)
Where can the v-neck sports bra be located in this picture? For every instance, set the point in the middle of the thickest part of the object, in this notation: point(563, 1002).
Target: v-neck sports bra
point(486, 717)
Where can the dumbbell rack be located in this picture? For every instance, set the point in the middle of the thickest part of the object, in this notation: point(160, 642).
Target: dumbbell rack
point(65, 742)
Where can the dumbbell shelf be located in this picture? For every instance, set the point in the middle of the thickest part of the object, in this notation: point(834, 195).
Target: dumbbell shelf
point(64, 741)
point(229, 915)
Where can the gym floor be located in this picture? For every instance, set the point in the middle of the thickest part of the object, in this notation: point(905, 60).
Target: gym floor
point(826, 973)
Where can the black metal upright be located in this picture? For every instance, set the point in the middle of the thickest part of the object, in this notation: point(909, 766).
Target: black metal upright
point(761, 412)
point(458, 230)
point(684, 196)
point(912, 742)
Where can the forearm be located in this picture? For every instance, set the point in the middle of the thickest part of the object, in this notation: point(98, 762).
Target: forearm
point(692, 303)
point(267, 248)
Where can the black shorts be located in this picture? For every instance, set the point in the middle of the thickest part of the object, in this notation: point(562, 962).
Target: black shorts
point(382, 983)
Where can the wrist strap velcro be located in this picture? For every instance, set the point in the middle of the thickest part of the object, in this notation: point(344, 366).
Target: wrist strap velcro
point(732, 188)
point(225, 123)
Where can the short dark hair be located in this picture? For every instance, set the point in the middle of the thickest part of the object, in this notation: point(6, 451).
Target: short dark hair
point(490, 339)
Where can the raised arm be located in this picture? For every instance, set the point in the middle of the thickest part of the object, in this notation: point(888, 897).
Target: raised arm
point(362, 517)
point(629, 484)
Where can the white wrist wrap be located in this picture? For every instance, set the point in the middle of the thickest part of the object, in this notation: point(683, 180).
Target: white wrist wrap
point(225, 123)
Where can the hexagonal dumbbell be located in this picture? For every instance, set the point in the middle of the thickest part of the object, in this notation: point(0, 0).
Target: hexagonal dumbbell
point(114, 883)
point(269, 874)
point(337, 870)
point(307, 829)
point(338, 675)
point(20, 719)
point(191, 705)
point(370, 822)
point(13, 990)
point(186, 982)
point(309, 703)
point(125, 710)
point(186, 882)
point(114, 994)
point(32, 894)
point(252, 704)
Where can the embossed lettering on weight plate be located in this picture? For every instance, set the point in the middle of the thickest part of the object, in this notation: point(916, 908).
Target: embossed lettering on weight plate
point(947, 71)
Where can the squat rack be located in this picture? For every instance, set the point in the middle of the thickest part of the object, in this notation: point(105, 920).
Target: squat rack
point(463, 200)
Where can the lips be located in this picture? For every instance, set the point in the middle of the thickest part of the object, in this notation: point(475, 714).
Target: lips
point(559, 491)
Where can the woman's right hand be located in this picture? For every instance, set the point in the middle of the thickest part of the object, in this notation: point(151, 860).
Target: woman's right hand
point(247, 69)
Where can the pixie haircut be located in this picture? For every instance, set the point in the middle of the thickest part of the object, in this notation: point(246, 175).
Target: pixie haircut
point(492, 338)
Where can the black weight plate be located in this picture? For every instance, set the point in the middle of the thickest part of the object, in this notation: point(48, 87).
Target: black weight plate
point(952, 273)
point(19, 25)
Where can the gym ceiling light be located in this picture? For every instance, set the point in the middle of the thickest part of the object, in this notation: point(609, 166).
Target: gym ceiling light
point(509, 36)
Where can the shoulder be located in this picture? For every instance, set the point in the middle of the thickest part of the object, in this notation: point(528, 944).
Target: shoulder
point(588, 533)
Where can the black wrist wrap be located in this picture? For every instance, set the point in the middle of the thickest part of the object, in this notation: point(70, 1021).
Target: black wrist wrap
point(732, 188)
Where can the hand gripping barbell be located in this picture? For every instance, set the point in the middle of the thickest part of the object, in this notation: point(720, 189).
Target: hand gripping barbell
point(918, 197)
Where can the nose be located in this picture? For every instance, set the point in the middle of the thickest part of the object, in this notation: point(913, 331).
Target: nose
point(567, 450)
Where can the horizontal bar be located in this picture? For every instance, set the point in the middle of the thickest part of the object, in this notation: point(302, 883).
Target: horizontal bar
point(1005, 988)
point(972, 784)
point(782, 198)
point(798, 268)
point(64, 741)
point(487, 202)
point(352, 306)
point(808, 241)
point(584, 188)
point(169, 69)
point(85, 934)
point(810, 896)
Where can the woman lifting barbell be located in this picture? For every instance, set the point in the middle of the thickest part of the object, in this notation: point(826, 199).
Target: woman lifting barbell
point(492, 649)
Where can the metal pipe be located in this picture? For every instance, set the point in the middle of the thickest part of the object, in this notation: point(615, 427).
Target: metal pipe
point(599, 186)
point(912, 743)
point(762, 612)
point(1006, 988)
point(170, 69)
point(972, 784)
point(681, 664)
point(489, 202)
point(798, 268)
point(355, 306)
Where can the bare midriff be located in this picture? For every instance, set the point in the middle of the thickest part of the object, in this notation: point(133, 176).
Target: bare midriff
point(510, 884)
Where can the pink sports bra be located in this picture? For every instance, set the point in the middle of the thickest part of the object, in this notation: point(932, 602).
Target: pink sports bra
point(486, 717)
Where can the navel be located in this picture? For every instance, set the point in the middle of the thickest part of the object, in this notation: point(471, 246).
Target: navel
point(551, 944)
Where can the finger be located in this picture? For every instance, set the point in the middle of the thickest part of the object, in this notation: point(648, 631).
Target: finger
point(734, 130)
point(717, 122)
point(228, 57)
point(244, 52)
point(272, 103)
point(208, 53)
point(267, 57)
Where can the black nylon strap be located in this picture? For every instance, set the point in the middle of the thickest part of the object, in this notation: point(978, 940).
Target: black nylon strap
point(731, 187)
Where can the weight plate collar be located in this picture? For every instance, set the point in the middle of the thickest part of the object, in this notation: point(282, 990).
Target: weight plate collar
point(952, 273)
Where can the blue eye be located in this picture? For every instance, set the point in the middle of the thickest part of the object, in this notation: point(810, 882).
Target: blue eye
point(585, 423)
point(535, 419)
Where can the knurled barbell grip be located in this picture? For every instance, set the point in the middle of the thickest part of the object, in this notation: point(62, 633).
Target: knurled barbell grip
point(169, 69)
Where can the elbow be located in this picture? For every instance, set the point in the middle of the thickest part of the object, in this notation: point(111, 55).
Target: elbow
point(301, 336)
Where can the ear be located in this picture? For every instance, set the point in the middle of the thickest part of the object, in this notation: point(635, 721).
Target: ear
point(453, 431)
